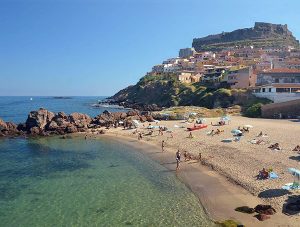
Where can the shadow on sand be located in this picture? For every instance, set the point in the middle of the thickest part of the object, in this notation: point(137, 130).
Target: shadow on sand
point(292, 205)
point(273, 193)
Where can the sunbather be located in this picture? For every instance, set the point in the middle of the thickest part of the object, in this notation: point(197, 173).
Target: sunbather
point(297, 148)
point(275, 146)
point(263, 174)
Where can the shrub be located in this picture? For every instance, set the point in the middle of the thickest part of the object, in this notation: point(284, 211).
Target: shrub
point(254, 110)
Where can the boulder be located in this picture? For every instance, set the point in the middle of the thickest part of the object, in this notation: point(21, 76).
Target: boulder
point(133, 113)
point(52, 126)
point(21, 127)
point(71, 129)
point(149, 118)
point(80, 120)
point(142, 118)
point(35, 130)
point(262, 217)
point(39, 119)
point(2, 125)
point(11, 127)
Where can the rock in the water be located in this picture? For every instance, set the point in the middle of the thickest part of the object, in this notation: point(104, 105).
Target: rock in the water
point(35, 130)
point(71, 129)
point(39, 119)
point(80, 120)
point(2, 125)
point(262, 217)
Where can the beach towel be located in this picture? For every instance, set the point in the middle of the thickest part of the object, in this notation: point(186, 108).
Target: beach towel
point(229, 140)
point(273, 175)
point(291, 186)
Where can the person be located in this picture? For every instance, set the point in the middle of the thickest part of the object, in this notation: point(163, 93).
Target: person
point(275, 146)
point(297, 148)
point(263, 174)
point(178, 154)
point(163, 146)
point(199, 156)
point(172, 135)
point(260, 134)
point(140, 136)
point(190, 135)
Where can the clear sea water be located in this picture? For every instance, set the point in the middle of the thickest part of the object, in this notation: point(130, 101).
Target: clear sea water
point(95, 182)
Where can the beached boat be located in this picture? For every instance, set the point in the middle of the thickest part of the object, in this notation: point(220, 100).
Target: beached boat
point(197, 127)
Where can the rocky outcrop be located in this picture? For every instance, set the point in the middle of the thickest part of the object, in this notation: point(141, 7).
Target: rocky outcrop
point(261, 35)
point(39, 119)
point(8, 129)
point(43, 122)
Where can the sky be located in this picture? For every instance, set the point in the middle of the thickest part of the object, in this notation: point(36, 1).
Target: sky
point(97, 47)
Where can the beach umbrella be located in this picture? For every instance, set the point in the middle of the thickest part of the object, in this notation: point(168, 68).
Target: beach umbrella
point(236, 131)
point(225, 118)
point(248, 126)
point(294, 172)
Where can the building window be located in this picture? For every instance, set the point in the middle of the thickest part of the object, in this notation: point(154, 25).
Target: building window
point(263, 90)
point(270, 89)
point(282, 90)
point(294, 90)
point(276, 80)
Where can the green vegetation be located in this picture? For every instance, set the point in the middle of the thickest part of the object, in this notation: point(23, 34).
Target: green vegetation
point(166, 90)
point(254, 110)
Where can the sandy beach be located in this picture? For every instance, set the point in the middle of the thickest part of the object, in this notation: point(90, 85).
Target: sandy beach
point(226, 176)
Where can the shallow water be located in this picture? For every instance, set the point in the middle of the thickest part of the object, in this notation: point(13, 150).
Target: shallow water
point(77, 182)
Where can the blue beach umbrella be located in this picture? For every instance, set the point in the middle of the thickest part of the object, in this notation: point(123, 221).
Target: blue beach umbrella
point(294, 172)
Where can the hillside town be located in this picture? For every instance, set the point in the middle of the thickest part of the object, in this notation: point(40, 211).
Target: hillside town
point(272, 73)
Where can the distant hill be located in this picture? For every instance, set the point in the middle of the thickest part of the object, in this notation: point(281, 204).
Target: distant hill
point(261, 35)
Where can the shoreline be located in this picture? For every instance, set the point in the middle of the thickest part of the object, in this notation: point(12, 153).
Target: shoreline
point(217, 194)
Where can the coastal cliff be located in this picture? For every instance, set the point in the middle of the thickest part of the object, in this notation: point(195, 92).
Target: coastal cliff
point(165, 91)
point(261, 35)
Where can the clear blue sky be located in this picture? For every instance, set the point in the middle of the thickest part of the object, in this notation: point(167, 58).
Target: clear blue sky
point(73, 47)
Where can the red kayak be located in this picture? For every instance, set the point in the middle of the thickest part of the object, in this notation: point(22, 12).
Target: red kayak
point(197, 127)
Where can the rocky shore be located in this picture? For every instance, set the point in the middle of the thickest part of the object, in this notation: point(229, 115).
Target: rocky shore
point(44, 123)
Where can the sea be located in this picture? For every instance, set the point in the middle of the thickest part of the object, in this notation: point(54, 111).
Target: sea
point(51, 181)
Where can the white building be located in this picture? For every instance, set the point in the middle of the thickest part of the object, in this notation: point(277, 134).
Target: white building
point(278, 92)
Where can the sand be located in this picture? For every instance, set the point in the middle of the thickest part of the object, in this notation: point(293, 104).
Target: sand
point(226, 177)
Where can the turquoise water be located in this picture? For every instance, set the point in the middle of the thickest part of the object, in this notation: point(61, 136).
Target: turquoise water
point(77, 182)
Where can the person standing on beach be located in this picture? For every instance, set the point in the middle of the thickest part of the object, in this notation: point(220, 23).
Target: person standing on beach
point(178, 154)
point(163, 146)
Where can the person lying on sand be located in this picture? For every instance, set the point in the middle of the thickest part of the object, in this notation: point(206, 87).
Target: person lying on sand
point(255, 141)
point(263, 174)
point(297, 148)
point(275, 146)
